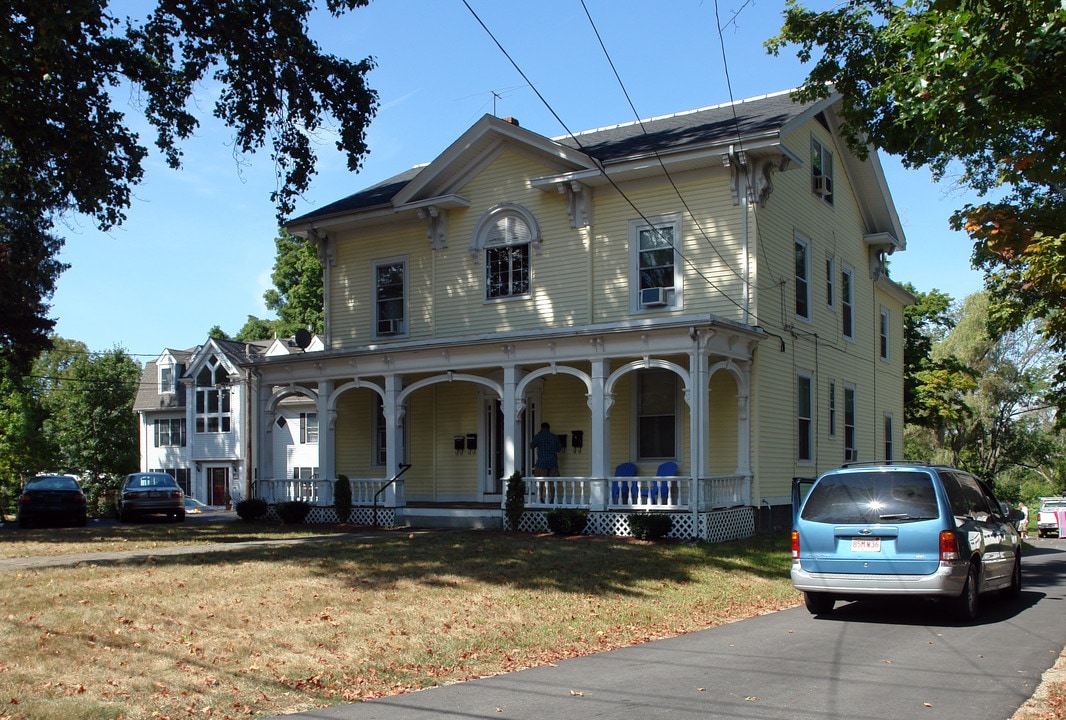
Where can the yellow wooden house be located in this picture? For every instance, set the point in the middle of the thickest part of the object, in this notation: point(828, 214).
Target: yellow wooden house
point(697, 303)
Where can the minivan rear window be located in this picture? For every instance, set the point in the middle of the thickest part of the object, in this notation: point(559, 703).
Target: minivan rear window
point(861, 497)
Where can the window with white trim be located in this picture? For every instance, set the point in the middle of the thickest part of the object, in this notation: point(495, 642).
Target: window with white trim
point(167, 379)
point(170, 432)
point(830, 282)
point(308, 428)
point(821, 171)
point(509, 235)
point(884, 333)
point(304, 473)
point(847, 303)
point(655, 262)
point(832, 408)
point(656, 416)
point(212, 397)
point(390, 297)
point(803, 277)
point(804, 418)
point(380, 447)
point(851, 453)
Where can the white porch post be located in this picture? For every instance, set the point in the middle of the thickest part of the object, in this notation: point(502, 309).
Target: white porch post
point(327, 466)
point(393, 412)
point(699, 415)
point(601, 451)
point(265, 461)
point(509, 408)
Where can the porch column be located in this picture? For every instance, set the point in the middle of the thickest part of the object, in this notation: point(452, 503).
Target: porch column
point(265, 452)
point(699, 416)
point(743, 435)
point(393, 412)
point(510, 410)
point(601, 450)
point(327, 465)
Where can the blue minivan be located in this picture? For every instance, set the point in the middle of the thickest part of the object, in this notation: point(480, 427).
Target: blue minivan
point(871, 530)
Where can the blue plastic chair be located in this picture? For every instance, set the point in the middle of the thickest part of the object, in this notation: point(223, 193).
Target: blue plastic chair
point(626, 469)
point(662, 487)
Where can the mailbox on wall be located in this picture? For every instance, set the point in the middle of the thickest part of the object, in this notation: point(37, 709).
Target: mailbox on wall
point(460, 444)
point(471, 443)
point(577, 439)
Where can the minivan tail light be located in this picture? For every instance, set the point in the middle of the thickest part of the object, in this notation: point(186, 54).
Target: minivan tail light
point(949, 545)
point(796, 544)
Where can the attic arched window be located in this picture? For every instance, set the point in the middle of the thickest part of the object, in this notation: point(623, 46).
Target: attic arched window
point(506, 233)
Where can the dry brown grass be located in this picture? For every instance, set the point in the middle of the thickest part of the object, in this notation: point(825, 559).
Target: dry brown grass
point(271, 630)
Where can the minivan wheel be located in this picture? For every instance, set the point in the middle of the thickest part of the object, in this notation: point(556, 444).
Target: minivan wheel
point(965, 605)
point(819, 603)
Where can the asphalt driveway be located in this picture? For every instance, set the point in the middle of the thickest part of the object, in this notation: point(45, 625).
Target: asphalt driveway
point(878, 661)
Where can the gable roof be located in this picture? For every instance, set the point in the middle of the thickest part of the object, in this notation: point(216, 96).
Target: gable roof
point(685, 139)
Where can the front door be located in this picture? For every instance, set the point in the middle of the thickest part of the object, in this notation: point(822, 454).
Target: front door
point(217, 485)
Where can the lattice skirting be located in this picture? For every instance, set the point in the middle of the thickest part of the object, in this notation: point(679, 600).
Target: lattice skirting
point(386, 517)
point(715, 526)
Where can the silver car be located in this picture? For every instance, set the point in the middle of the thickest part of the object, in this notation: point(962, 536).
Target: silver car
point(148, 493)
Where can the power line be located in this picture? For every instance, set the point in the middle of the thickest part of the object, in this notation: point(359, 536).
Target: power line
point(599, 165)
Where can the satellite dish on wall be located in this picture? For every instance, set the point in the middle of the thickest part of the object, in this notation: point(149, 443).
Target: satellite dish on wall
point(303, 338)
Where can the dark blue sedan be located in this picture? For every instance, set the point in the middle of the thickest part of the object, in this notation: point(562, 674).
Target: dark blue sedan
point(52, 499)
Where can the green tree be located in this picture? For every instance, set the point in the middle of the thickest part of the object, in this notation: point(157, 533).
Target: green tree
point(297, 292)
point(296, 296)
point(976, 83)
point(23, 451)
point(89, 402)
point(256, 329)
point(66, 146)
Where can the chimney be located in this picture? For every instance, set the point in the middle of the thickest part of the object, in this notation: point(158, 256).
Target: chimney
point(511, 120)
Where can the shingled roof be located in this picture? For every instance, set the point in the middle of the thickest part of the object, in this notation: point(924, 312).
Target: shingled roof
point(752, 118)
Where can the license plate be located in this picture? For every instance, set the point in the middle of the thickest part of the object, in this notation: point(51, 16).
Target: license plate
point(866, 544)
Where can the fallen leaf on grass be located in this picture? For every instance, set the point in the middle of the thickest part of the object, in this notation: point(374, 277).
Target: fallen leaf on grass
point(575, 693)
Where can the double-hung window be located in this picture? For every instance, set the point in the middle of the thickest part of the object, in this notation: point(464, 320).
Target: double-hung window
point(390, 297)
point(884, 333)
point(507, 253)
point(851, 453)
point(170, 433)
point(804, 418)
point(166, 379)
point(656, 262)
point(821, 171)
point(308, 428)
point(656, 415)
point(847, 303)
point(830, 282)
point(803, 278)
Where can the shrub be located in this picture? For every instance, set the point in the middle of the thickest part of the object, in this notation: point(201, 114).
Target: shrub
point(252, 509)
point(648, 526)
point(567, 521)
point(515, 503)
point(342, 498)
point(293, 512)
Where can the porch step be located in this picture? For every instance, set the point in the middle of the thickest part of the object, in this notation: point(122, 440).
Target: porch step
point(452, 517)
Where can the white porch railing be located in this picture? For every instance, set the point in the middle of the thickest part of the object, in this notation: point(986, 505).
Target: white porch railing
point(638, 493)
point(320, 491)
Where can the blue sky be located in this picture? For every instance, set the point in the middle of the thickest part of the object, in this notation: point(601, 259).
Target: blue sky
point(197, 248)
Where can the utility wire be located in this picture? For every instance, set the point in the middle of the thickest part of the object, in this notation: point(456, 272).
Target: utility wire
point(599, 165)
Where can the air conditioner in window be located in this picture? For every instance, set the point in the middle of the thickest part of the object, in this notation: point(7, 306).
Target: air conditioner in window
point(822, 185)
point(653, 297)
point(391, 326)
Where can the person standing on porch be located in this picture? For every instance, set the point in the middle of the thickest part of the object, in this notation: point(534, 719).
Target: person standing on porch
point(548, 448)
